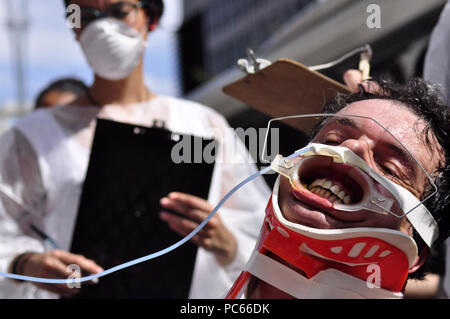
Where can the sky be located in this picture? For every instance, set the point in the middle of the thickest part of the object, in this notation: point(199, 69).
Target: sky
point(52, 52)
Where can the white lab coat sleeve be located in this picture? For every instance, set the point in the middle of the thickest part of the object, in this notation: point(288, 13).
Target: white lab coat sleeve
point(437, 58)
point(243, 213)
point(20, 191)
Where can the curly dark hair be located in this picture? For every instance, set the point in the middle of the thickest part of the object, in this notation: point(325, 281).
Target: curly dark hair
point(425, 101)
point(153, 8)
point(72, 85)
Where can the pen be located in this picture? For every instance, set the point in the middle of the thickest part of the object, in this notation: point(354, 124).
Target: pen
point(45, 237)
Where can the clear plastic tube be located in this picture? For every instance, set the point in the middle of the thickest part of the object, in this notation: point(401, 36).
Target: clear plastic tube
point(150, 256)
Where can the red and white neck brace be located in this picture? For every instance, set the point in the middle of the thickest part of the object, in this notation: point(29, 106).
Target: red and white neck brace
point(336, 262)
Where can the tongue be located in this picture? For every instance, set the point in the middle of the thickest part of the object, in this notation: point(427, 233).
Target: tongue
point(309, 198)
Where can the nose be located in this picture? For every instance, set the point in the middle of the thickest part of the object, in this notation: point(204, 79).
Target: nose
point(362, 147)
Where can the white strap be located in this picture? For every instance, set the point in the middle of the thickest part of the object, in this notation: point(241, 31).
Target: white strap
point(290, 281)
point(420, 218)
point(324, 285)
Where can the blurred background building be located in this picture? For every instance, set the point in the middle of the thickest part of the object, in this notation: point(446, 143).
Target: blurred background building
point(215, 33)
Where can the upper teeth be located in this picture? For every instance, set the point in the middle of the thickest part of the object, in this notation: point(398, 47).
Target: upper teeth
point(330, 191)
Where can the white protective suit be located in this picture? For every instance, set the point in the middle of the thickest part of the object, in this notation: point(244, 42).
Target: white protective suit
point(43, 162)
point(437, 59)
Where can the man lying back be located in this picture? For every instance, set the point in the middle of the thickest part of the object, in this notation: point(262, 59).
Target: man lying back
point(355, 213)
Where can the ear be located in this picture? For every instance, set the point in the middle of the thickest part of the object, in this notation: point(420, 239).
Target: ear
point(420, 260)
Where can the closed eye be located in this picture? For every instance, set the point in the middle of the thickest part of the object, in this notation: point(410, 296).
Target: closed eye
point(388, 171)
point(331, 142)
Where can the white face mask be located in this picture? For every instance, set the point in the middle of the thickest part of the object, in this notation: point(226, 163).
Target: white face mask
point(112, 48)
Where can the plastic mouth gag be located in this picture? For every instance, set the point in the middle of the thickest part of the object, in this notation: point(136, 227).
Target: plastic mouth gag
point(360, 195)
point(335, 263)
point(336, 177)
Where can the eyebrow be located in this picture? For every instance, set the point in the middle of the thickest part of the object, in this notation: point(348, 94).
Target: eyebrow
point(343, 121)
point(347, 122)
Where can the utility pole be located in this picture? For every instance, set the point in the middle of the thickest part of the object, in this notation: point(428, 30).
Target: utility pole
point(17, 23)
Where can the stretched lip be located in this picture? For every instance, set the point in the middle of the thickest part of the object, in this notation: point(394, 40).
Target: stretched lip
point(347, 176)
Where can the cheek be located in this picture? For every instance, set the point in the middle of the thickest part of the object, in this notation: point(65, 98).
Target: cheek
point(379, 220)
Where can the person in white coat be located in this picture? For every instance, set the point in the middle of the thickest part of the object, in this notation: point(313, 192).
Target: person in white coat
point(44, 158)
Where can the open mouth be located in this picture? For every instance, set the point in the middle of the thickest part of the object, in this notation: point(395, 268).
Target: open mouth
point(319, 179)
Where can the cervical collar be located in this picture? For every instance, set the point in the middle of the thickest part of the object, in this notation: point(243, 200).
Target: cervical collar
point(336, 263)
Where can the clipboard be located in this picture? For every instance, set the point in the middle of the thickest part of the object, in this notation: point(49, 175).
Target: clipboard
point(286, 88)
point(130, 170)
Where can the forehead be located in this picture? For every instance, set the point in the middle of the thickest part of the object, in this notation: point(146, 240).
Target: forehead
point(395, 117)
